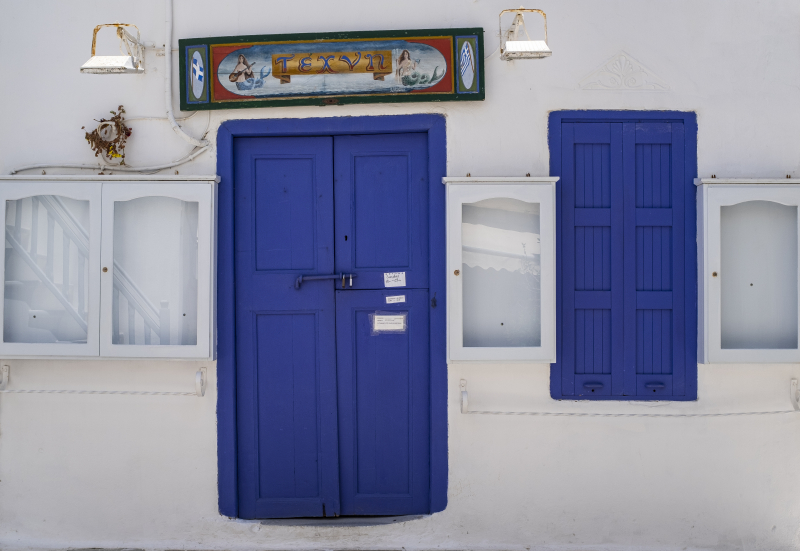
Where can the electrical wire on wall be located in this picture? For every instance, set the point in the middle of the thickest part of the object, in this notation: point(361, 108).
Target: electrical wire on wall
point(200, 146)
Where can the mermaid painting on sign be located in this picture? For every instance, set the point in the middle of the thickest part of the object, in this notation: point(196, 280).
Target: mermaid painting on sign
point(244, 78)
point(405, 66)
point(242, 71)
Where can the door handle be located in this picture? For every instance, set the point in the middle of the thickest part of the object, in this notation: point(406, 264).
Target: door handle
point(300, 279)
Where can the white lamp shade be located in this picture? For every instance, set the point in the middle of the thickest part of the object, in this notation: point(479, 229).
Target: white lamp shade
point(525, 49)
point(112, 64)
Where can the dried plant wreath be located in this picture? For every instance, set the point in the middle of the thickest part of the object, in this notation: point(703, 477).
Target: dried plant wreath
point(109, 138)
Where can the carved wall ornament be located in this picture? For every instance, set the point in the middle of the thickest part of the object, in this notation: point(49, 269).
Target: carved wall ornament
point(623, 72)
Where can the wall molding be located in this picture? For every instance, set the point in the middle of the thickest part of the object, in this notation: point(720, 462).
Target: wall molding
point(623, 72)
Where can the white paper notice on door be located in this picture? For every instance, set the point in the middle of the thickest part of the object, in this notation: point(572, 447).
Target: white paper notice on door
point(394, 279)
point(395, 299)
point(388, 322)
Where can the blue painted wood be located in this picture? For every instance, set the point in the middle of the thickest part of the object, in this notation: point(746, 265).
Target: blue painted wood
point(382, 208)
point(659, 259)
point(384, 421)
point(647, 316)
point(284, 200)
point(226, 351)
point(652, 307)
point(434, 126)
point(567, 278)
point(229, 134)
point(682, 235)
point(437, 168)
point(689, 379)
point(591, 330)
point(629, 193)
point(285, 338)
point(617, 252)
point(381, 195)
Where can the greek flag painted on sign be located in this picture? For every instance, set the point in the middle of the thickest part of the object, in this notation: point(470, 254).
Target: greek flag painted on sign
point(467, 65)
point(198, 75)
point(197, 70)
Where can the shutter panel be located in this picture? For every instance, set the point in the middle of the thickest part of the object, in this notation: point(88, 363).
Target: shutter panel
point(655, 316)
point(627, 277)
point(592, 261)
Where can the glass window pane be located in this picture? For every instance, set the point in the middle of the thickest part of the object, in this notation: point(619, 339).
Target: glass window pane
point(758, 275)
point(501, 270)
point(46, 265)
point(155, 272)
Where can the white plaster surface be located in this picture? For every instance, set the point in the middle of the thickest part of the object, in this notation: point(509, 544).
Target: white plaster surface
point(140, 471)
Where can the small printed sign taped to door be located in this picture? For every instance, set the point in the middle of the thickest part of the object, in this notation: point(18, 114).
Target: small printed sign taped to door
point(395, 299)
point(394, 279)
point(388, 322)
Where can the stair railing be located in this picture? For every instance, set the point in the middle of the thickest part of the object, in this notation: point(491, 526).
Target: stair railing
point(155, 319)
point(14, 237)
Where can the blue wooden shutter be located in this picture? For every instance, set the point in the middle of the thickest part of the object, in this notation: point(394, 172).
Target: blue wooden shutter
point(626, 229)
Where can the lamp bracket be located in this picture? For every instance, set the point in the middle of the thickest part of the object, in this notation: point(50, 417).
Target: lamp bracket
point(519, 21)
point(133, 45)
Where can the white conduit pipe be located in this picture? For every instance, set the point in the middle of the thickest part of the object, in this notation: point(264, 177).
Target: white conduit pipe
point(118, 168)
point(160, 118)
point(168, 81)
point(202, 144)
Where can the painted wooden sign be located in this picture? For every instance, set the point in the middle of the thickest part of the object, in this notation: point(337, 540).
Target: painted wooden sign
point(316, 69)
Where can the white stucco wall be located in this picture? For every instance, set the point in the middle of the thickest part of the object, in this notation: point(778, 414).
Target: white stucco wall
point(134, 471)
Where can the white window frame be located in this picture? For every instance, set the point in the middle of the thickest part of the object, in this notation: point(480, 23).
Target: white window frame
point(81, 191)
point(531, 190)
point(713, 194)
point(101, 192)
point(199, 193)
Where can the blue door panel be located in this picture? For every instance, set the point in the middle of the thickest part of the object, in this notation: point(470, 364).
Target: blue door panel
point(384, 417)
point(283, 199)
point(288, 450)
point(285, 337)
point(381, 213)
point(381, 199)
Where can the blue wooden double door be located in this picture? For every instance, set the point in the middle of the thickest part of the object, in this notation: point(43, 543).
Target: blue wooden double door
point(333, 416)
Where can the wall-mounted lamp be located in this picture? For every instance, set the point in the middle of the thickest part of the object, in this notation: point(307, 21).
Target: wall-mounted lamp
point(513, 48)
point(133, 63)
